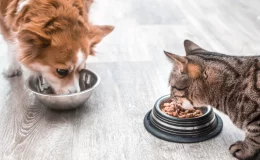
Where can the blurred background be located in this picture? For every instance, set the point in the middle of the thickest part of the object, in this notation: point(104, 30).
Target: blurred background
point(134, 74)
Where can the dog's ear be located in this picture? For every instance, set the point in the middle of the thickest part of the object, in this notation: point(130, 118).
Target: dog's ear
point(32, 38)
point(31, 42)
point(97, 33)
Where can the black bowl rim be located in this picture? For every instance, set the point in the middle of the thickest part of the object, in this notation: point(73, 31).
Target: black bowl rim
point(181, 139)
point(182, 121)
point(66, 95)
point(157, 107)
point(185, 125)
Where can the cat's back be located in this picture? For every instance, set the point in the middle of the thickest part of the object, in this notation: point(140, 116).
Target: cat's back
point(241, 66)
point(243, 72)
point(247, 80)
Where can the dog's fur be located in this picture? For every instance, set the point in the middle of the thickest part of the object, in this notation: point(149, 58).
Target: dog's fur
point(50, 35)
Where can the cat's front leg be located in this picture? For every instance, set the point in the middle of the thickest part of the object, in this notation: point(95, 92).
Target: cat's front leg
point(249, 149)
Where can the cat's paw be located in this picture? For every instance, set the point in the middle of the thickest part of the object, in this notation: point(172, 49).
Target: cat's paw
point(12, 71)
point(242, 151)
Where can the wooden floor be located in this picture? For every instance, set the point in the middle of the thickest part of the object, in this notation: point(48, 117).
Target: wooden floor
point(134, 74)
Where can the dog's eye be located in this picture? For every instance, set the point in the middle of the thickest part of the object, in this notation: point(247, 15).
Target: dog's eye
point(62, 72)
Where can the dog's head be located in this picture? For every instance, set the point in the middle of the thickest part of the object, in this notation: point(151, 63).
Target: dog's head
point(57, 47)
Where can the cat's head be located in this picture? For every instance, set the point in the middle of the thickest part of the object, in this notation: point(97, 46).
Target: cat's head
point(189, 76)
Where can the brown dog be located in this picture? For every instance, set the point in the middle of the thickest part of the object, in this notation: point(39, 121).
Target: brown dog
point(53, 38)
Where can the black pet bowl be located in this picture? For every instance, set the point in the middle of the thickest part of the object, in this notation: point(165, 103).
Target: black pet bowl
point(182, 130)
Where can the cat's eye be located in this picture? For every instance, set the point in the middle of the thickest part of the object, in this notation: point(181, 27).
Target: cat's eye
point(62, 72)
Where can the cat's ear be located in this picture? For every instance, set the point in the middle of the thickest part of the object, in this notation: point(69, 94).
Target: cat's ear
point(193, 70)
point(180, 61)
point(191, 47)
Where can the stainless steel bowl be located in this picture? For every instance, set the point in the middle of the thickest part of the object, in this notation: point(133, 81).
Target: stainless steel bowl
point(88, 82)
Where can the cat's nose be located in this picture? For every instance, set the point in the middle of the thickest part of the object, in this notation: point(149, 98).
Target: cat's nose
point(172, 95)
point(172, 92)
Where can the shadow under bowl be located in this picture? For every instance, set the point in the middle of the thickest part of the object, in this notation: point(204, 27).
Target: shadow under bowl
point(88, 82)
point(182, 130)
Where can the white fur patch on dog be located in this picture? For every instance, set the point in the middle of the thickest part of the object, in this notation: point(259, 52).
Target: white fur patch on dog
point(21, 4)
point(81, 58)
point(76, 84)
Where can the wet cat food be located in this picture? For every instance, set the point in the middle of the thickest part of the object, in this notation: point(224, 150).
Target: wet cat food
point(174, 108)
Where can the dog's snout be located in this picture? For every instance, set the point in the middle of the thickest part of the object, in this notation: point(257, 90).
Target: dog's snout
point(73, 90)
point(70, 88)
point(74, 87)
point(76, 83)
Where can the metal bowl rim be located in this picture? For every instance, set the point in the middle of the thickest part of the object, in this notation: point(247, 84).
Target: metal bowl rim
point(159, 101)
point(66, 95)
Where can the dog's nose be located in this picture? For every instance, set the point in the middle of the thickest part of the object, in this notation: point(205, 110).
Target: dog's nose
point(74, 88)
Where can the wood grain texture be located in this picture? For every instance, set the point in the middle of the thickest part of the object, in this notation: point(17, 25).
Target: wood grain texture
point(134, 74)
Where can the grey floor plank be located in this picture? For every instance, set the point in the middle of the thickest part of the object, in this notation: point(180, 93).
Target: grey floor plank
point(134, 74)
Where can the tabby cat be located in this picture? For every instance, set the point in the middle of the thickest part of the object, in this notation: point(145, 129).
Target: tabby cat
point(231, 84)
